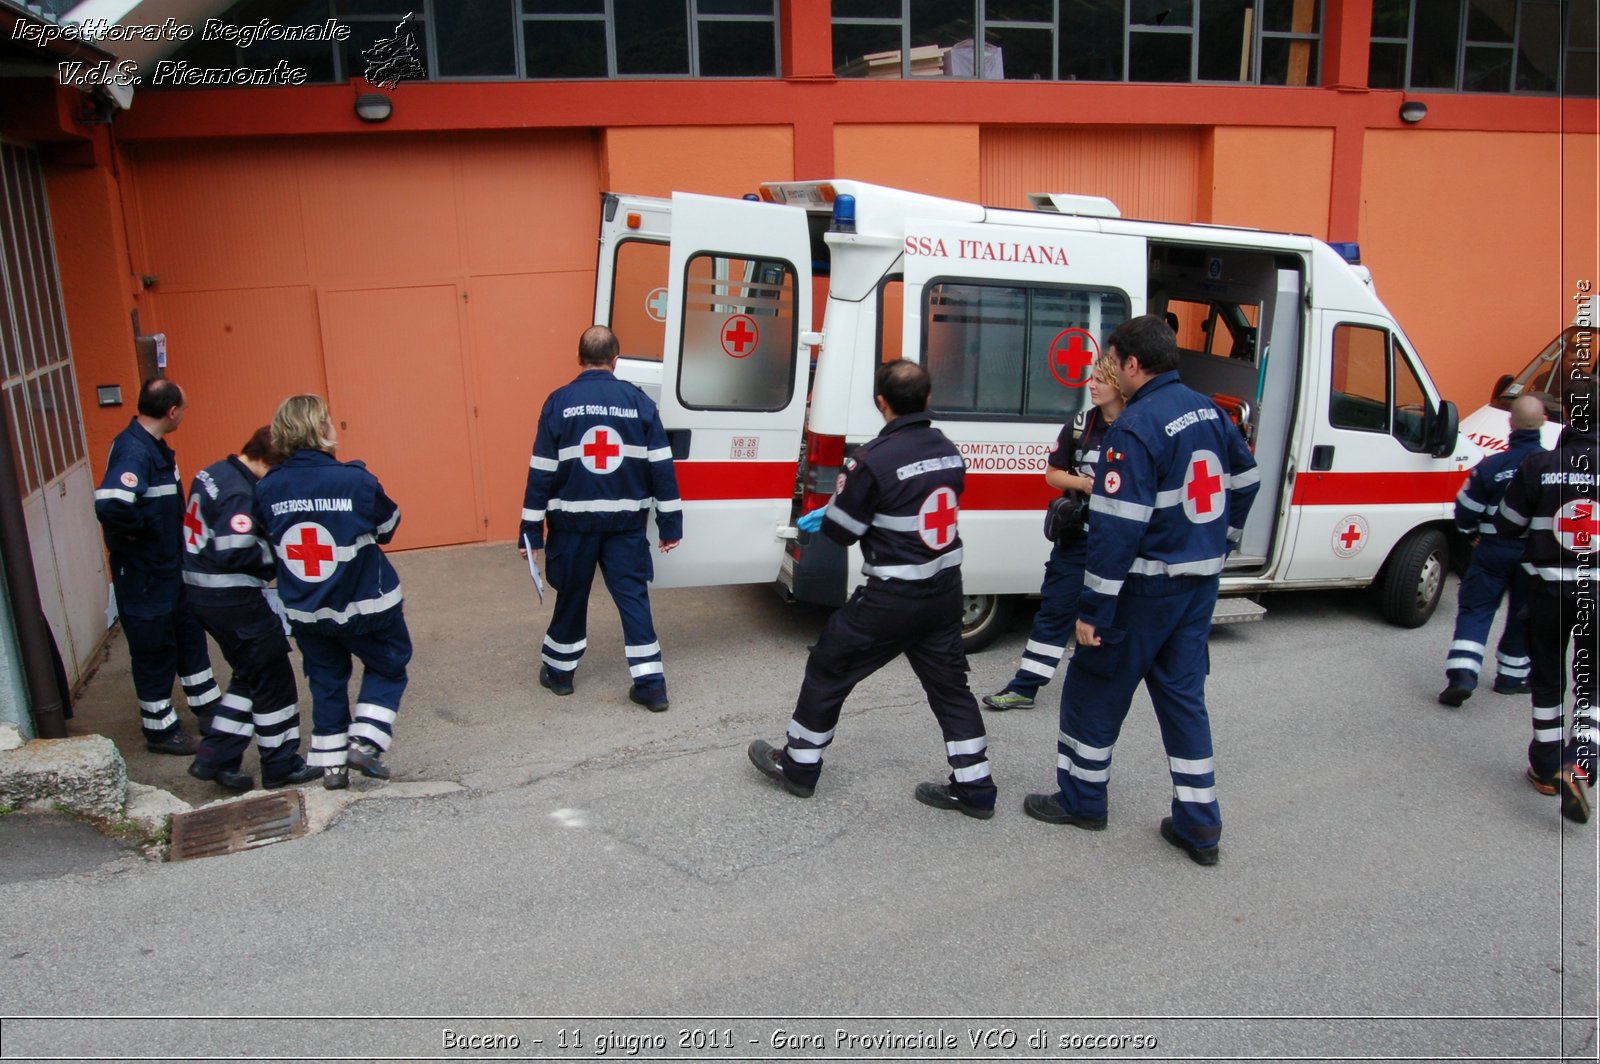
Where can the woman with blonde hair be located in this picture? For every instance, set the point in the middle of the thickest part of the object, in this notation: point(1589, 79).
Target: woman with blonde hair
point(326, 520)
point(1070, 470)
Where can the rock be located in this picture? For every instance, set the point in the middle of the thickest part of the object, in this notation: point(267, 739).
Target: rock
point(84, 775)
point(10, 737)
point(151, 807)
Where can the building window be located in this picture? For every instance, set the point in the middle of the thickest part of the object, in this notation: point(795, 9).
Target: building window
point(1502, 46)
point(505, 39)
point(1265, 42)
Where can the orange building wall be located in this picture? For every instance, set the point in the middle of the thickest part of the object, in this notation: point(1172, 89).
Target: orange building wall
point(1268, 178)
point(1153, 174)
point(1464, 235)
point(936, 160)
point(1580, 214)
point(715, 160)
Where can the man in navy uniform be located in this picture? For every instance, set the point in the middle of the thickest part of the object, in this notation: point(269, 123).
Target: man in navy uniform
point(1495, 571)
point(327, 521)
point(898, 496)
point(1174, 487)
point(140, 507)
point(226, 567)
point(1553, 501)
point(600, 462)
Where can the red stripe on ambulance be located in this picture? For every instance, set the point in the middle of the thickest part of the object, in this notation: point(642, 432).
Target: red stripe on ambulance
point(1376, 489)
point(735, 480)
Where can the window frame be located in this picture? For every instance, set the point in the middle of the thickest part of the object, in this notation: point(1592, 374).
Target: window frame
point(793, 284)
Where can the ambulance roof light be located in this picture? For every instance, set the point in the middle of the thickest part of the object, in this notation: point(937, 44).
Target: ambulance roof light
point(844, 215)
point(1068, 203)
point(751, 196)
point(1348, 250)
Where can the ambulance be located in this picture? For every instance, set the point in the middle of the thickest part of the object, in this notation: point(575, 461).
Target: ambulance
point(1572, 350)
point(714, 301)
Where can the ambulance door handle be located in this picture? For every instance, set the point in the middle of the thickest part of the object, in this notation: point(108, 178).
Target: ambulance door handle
point(678, 440)
point(1322, 457)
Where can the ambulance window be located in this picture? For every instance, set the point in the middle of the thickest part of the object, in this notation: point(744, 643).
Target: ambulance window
point(1010, 351)
point(1410, 404)
point(891, 319)
point(1359, 398)
point(738, 334)
point(639, 298)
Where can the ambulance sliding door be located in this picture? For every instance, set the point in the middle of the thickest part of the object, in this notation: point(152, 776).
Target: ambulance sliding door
point(733, 383)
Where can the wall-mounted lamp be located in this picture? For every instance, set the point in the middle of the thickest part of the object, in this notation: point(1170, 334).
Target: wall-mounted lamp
point(1413, 111)
point(374, 107)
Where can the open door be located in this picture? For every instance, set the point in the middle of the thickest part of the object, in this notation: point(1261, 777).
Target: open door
point(731, 381)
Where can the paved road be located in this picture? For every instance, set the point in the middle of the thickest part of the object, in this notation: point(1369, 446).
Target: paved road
point(1389, 887)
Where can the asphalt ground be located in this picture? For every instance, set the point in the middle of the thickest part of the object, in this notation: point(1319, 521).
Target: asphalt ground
point(1390, 886)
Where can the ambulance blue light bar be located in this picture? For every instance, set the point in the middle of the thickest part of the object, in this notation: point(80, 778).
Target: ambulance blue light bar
point(1348, 250)
point(844, 215)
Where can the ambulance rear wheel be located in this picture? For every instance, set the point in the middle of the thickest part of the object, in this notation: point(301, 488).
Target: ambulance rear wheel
point(983, 618)
point(1414, 578)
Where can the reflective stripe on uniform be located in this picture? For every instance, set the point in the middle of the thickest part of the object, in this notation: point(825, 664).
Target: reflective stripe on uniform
point(914, 572)
point(363, 606)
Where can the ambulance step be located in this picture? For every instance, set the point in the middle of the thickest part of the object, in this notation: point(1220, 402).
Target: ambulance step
point(1236, 610)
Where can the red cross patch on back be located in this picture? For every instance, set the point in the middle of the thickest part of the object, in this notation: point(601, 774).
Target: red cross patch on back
point(1204, 491)
point(308, 551)
point(601, 450)
point(936, 520)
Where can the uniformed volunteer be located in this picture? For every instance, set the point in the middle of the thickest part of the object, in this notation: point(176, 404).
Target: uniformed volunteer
point(326, 519)
point(1554, 502)
point(140, 507)
point(600, 463)
point(1171, 496)
point(227, 564)
point(898, 495)
point(1495, 571)
point(1070, 470)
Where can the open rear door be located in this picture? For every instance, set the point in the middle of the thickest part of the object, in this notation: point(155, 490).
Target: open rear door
point(732, 384)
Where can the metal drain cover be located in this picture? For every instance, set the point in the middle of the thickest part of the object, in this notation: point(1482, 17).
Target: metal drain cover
point(237, 826)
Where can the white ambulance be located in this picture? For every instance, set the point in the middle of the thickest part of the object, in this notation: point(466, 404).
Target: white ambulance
point(712, 299)
point(1573, 349)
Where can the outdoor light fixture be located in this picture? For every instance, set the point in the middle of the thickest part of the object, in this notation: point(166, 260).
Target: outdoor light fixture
point(1411, 111)
point(376, 107)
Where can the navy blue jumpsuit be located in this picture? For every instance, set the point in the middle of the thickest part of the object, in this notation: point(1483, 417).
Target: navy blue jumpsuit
point(140, 507)
point(1171, 495)
point(226, 568)
point(900, 499)
point(326, 520)
point(600, 462)
point(1494, 572)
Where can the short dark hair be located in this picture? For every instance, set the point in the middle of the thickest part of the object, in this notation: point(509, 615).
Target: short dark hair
point(259, 447)
point(1148, 339)
point(1577, 401)
point(597, 346)
point(157, 396)
point(903, 385)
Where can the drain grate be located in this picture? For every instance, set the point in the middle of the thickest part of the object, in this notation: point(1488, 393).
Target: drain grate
point(237, 826)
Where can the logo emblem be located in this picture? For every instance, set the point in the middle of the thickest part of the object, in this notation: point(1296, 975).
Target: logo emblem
point(740, 335)
point(1203, 488)
point(936, 521)
point(1576, 526)
point(601, 452)
point(1349, 535)
point(307, 552)
point(1072, 356)
point(241, 523)
point(1113, 482)
point(129, 480)
point(194, 529)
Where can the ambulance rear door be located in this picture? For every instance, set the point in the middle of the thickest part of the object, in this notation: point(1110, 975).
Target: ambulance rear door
point(630, 290)
point(732, 383)
point(1009, 319)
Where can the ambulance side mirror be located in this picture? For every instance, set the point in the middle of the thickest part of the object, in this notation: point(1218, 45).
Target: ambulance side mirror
point(1442, 430)
point(1500, 386)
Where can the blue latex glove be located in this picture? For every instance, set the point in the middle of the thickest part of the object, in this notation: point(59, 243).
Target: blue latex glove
point(812, 521)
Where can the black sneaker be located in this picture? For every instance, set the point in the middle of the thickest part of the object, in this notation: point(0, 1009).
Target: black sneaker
point(1200, 855)
point(303, 774)
point(1574, 795)
point(232, 779)
point(1550, 785)
point(940, 796)
point(367, 759)
point(552, 681)
point(1045, 807)
point(765, 758)
point(1453, 696)
point(655, 703)
point(1503, 686)
point(336, 778)
point(177, 743)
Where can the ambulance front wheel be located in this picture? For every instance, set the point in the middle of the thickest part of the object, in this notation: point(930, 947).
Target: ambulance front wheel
point(1414, 578)
point(983, 618)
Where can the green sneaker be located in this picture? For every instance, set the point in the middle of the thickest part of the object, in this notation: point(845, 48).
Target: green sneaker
point(1008, 699)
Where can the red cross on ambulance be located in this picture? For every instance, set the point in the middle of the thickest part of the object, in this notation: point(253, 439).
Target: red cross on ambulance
point(1203, 488)
point(309, 551)
point(936, 520)
point(1577, 527)
point(601, 451)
